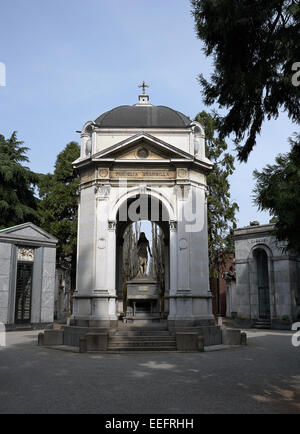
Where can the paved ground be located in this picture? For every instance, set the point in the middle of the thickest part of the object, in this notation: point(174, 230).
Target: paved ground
point(261, 378)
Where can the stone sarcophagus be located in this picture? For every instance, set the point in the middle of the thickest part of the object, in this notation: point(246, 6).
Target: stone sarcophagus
point(143, 299)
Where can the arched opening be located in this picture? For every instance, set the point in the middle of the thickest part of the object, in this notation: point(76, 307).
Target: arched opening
point(142, 214)
point(263, 283)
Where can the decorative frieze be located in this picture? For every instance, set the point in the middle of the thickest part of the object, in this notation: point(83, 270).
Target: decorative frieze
point(87, 175)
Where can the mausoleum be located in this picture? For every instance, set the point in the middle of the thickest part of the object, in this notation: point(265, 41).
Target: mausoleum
point(27, 276)
point(266, 289)
point(141, 163)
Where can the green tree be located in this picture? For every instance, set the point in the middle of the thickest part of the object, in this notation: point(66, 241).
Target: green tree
point(254, 44)
point(58, 207)
point(18, 203)
point(221, 211)
point(277, 190)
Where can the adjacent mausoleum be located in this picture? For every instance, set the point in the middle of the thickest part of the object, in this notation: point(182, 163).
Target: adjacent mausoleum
point(27, 276)
point(267, 286)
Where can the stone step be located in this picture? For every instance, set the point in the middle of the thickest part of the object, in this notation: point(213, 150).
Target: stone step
point(141, 338)
point(158, 328)
point(188, 329)
point(142, 344)
point(263, 324)
point(140, 348)
point(142, 334)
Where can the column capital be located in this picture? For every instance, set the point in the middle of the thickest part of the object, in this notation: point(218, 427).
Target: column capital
point(102, 192)
point(173, 226)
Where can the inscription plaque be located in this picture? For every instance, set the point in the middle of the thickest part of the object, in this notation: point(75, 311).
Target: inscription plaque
point(169, 174)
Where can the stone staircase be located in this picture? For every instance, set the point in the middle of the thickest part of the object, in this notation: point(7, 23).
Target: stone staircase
point(263, 324)
point(135, 339)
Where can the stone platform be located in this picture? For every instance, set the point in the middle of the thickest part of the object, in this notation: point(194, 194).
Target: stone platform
point(153, 337)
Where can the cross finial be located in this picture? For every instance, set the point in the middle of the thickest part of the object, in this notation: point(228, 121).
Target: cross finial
point(144, 86)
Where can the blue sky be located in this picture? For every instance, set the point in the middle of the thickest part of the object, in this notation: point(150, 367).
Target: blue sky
point(68, 61)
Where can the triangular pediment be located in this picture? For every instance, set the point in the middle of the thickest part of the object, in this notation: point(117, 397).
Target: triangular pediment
point(142, 147)
point(27, 232)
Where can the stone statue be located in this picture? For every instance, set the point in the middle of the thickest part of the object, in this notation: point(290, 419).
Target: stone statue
point(143, 248)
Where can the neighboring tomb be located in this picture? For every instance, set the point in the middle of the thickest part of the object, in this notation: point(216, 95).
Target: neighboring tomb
point(267, 287)
point(27, 276)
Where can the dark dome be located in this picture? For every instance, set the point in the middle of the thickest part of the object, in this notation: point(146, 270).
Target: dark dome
point(139, 116)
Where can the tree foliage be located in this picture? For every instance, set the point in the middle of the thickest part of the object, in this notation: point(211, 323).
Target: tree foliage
point(255, 44)
point(278, 191)
point(58, 207)
point(221, 211)
point(18, 203)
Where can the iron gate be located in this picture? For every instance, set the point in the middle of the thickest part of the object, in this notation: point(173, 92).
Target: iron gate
point(23, 293)
point(263, 285)
point(264, 303)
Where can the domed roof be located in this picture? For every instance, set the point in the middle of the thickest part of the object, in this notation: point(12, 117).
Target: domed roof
point(143, 116)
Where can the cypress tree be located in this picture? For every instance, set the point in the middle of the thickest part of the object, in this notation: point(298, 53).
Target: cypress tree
point(18, 203)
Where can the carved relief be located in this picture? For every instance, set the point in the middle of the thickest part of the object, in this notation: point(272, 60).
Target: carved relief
point(143, 153)
point(182, 173)
point(102, 243)
point(183, 244)
point(103, 192)
point(143, 189)
point(173, 226)
point(25, 254)
point(182, 191)
point(112, 226)
point(103, 173)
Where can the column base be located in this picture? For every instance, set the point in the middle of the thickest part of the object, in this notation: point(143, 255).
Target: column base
point(189, 310)
point(109, 323)
point(94, 311)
